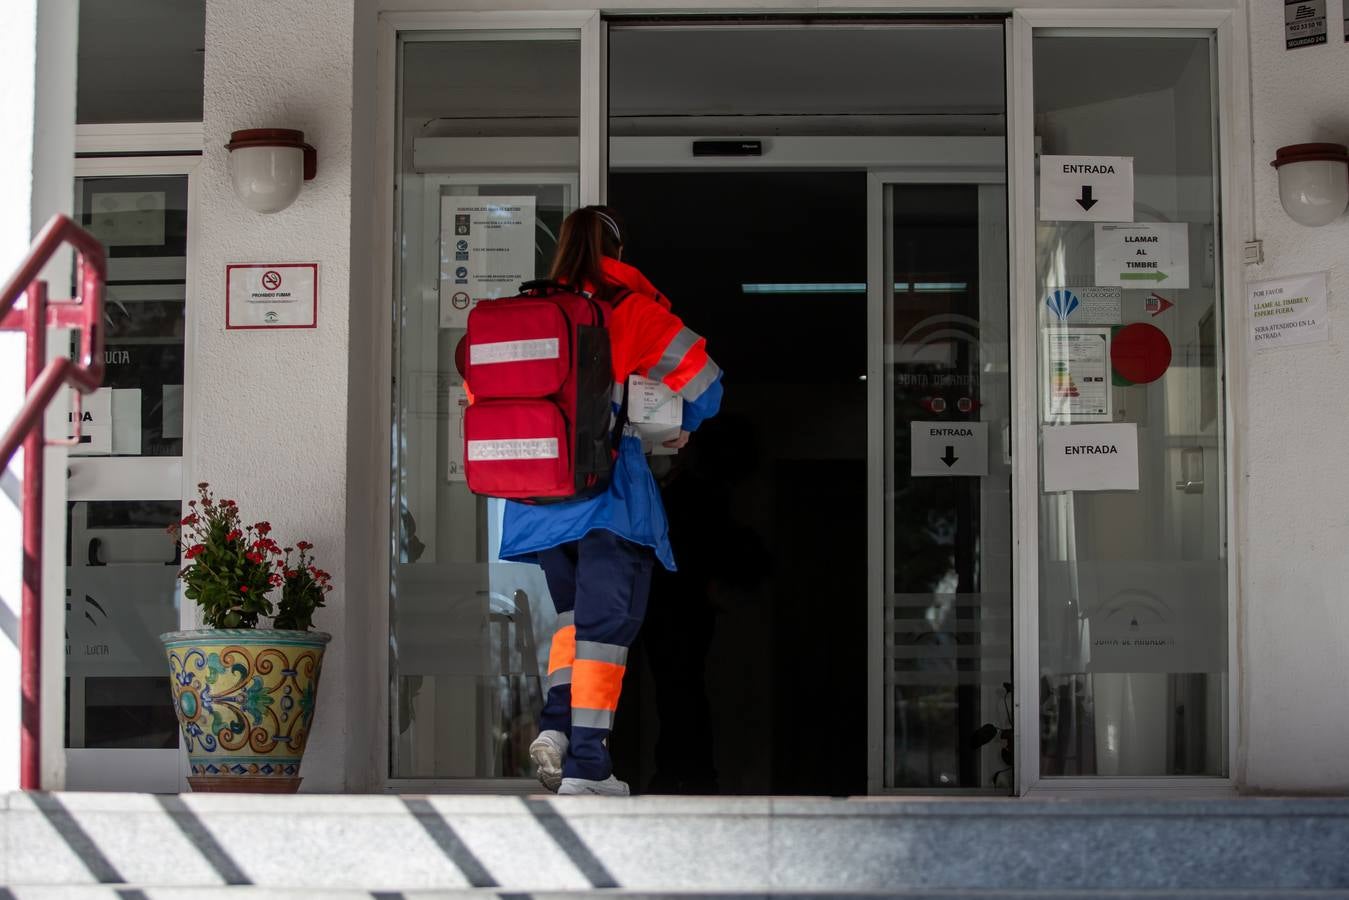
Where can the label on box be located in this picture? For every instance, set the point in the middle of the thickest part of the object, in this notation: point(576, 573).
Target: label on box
point(655, 411)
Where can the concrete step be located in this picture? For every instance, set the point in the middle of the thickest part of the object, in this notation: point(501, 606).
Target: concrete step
point(137, 892)
point(475, 846)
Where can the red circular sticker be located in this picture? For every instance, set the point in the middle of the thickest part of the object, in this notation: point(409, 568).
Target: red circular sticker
point(1140, 353)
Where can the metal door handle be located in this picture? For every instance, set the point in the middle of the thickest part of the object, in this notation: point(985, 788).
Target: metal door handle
point(1191, 471)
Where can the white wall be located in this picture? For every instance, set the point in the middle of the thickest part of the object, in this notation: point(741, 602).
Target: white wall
point(1296, 561)
point(270, 407)
point(37, 112)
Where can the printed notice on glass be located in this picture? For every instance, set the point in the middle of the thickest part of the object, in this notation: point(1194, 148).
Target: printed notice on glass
point(1085, 305)
point(1076, 375)
point(1087, 188)
point(1090, 457)
point(486, 252)
point(1143, 254)
point(271, 295)
point(1304, 23)
point(1288, 311)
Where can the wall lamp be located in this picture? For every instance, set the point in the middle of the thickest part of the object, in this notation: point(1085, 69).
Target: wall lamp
point(1313, 181)
point(268, 165)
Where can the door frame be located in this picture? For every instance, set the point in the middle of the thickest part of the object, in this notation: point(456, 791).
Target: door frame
point(1229, 27)
point(390, 25)
point(139, 478)
point(1228, 21)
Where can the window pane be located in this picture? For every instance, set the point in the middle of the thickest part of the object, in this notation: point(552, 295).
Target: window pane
point(1133, 581)
point(120, 596)
point(489, 135)
point(142, 222)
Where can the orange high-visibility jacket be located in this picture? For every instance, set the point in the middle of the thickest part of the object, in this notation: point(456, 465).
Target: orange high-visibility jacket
point(647, 339)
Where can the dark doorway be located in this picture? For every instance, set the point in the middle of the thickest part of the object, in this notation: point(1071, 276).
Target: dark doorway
point(750, 675)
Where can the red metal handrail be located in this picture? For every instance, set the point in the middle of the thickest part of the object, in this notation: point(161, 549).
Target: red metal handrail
point(43, 380)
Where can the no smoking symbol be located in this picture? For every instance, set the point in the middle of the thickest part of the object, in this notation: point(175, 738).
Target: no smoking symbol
point(271, 280)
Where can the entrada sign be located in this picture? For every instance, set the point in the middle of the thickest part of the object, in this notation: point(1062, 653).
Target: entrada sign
point(1087, 188)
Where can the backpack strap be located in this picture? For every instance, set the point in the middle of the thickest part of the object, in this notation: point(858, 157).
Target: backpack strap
point(621, 422)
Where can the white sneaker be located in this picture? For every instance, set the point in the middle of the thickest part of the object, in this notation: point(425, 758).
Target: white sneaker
point(609, 787)
point(548, 751)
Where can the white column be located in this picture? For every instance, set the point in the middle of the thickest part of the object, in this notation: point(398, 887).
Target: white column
point(37, 114)
point(269, 408)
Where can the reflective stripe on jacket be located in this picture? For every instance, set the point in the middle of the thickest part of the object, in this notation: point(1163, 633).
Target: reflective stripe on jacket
point(649, 340)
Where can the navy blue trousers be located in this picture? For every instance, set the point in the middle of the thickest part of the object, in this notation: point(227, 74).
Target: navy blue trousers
point(600, 586)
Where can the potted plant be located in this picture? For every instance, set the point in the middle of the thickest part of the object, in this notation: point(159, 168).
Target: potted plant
point(245, 695)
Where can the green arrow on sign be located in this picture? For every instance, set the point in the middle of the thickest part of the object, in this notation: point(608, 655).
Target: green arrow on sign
point(1142, 276)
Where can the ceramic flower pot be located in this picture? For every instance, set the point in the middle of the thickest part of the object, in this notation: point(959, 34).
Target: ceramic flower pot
point(245, 702)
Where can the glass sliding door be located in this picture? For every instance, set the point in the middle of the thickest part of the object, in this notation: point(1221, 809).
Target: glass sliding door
point(488, 167)
point(946, 618)
point(1133, 600)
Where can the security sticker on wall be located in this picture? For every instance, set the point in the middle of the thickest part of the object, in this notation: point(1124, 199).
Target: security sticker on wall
point(1304, 23)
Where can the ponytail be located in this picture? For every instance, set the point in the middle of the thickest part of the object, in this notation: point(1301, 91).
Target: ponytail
point(588, 235)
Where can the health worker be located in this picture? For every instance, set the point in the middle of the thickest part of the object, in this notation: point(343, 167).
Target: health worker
point(598, 554)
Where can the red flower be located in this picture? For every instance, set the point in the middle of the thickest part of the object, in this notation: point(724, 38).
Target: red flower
point(194, 551)
point(243, 589)
point(254, 558)
point(304, 545)
point(234, 535)
point(230, 504)
point(263, 528)
point(190, 519)
point(275, 580)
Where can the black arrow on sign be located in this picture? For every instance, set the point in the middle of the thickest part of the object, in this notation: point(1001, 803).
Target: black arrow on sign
point(950, 457)
point(1085, 200)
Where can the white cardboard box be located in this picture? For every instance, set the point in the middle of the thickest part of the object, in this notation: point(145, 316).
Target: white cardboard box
point(656, 411)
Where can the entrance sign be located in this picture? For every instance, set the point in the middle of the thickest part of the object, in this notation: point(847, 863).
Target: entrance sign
point(271, 295)
point(1087, 188)
point(1085, 305)
point(486, 252)
point(95, 424)
point(1143, 255)
point(1304, 23)
point(1090, 457)
point(1076, 376)
point(948, 448)
point(1288, 311)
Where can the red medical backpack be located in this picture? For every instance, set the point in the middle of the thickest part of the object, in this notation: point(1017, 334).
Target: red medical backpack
point(540, 426)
